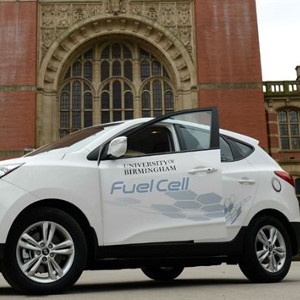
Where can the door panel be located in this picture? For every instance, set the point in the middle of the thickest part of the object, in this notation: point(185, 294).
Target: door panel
point(239, 189)
point(168, 196)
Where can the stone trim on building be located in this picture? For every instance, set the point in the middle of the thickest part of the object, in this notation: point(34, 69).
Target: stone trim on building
point(231, 85)
point(165, 27)
point(18, 88)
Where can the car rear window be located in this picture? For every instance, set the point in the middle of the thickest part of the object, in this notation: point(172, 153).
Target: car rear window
point(226, 153)
point(239, 149)
point(245, 150)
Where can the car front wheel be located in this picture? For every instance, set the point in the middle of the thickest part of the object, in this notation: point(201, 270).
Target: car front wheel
point(267, 255)
point(45, 252)
point(162, 273)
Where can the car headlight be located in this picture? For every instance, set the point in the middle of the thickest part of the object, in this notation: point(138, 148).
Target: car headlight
point(5, 169)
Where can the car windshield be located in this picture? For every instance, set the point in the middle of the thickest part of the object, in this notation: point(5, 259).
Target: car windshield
point(76, 140)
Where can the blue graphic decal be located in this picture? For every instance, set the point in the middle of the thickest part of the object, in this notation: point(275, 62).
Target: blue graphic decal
point(183, 202)
point(233, 208)
point(162, 185)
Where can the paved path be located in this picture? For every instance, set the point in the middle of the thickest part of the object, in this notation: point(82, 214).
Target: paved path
point(207, 283)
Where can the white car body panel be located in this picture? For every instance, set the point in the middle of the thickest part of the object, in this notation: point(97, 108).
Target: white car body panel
point(238, 196)
point(174, 192)
point(143, 207)
point(70, 177)
point(60, 180)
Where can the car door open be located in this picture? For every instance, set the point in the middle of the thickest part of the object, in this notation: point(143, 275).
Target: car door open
point(167, 185)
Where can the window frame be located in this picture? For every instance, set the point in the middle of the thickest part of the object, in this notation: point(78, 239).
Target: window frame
point(170, 141)
point(237, 154)
point(288, 123)
point(99, 61)
point(214, 132)
point(85, 88)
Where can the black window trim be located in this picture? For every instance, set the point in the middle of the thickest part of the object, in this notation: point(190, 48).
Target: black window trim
point(230, 147)
point(214, 132)
point(214, 141)
point(237, 156)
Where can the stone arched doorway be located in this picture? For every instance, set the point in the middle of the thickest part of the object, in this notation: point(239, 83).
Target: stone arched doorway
point(162, 78)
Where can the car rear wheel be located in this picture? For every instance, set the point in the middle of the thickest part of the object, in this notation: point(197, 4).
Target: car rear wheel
point(45, 253)
point(162, 273)
point(267, 255)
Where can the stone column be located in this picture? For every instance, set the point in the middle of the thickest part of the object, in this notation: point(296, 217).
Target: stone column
point(47, 118)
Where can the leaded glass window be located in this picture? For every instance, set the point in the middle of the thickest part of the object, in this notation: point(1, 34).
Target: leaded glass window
point(116, 102)
point(76, 107)
point(288, 122)
point(116, 60)
point(150, 66)
point(121, 80)
point(157, 98)
point(157, 95)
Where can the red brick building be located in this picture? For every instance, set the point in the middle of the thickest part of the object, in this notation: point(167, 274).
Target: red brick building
point(68, 64)
point(18, 65)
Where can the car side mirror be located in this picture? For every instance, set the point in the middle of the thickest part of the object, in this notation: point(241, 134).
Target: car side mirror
point(117, 147)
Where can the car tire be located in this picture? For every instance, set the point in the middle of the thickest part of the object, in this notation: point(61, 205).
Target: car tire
point(162, 273)
point(45, 252)
point(267, 251)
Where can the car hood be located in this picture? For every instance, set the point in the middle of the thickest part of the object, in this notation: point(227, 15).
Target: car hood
point(25, 159)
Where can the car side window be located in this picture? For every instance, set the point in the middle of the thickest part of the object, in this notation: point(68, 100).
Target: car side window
point(239, 150)
point(151, 140)
point(193, 138)
point(243, 149)
point(198, 138)
point(226, 153)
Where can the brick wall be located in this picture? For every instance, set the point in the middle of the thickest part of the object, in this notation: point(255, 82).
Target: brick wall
point(228, 69)
point(17, 77)
point(228, 62)
point(240, 110)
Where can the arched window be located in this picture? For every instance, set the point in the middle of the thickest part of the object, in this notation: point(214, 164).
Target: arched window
point(288, 122)
point(116, 102)
point(111, 82)
point(157, 98)
point(116, 60)
point(116, 96)
point(157, 94)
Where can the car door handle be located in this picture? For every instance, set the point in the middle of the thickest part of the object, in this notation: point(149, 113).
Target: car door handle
point(202, 170)
point(246, 181)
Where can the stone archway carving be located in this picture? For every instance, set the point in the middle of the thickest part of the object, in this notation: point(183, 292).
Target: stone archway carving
point(173, 49)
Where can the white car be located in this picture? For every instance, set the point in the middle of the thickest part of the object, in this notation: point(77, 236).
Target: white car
point(157, 194)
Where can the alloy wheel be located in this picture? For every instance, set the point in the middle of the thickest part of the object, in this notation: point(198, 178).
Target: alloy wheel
point(45, 252)
point(270, 248)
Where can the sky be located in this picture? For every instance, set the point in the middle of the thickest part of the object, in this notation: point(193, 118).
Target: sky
point(279, 38)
